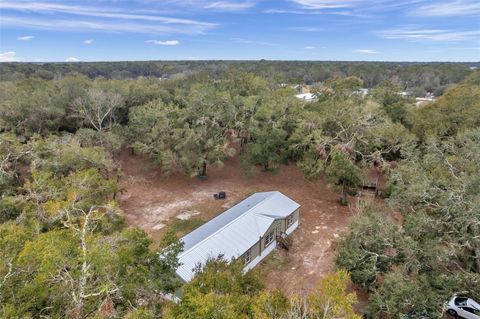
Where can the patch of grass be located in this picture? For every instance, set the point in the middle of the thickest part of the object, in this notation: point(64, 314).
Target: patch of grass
point(276, 260)
point(182, 227)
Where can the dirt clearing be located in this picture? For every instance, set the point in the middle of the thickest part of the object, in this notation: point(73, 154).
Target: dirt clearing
point(155, 202)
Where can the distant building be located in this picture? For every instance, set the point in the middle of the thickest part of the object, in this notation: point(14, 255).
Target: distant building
point(248, 230)
point(362, 92)
point(307, 97)
point(301, 89)
point(429, 97)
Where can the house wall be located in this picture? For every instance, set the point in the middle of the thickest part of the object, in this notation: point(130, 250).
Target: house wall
point(296, 215)
point(255, 250)
point(259, 251)
point(261, 256)
point(272, 227)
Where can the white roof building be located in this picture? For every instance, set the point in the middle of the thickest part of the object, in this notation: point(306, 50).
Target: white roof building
point(308, 97)
point(239, 230)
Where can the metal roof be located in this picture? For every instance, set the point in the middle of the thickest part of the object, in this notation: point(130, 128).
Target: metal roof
point(233, 232)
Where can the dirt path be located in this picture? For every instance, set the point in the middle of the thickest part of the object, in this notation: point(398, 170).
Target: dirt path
point(151, 201)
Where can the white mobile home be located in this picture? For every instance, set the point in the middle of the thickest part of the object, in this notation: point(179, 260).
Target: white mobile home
point(248, 230)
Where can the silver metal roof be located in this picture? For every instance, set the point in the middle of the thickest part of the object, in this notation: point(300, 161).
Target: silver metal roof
point(233, 232)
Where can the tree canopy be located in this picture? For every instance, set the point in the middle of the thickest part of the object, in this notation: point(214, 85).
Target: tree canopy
point(65, 250)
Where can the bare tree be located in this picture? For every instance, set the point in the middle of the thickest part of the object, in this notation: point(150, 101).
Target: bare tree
point(97, 108)
point(83, 222)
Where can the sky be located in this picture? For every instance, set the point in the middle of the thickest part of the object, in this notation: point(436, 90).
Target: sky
point(345, 30)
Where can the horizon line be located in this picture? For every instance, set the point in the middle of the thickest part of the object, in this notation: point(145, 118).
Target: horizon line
point(233, 60)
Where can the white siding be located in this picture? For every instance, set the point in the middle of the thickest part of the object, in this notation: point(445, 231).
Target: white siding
point(292, 228)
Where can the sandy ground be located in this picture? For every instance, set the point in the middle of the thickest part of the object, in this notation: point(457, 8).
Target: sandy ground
point(151, 201)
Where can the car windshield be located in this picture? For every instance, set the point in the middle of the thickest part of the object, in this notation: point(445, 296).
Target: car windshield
point(460, 301)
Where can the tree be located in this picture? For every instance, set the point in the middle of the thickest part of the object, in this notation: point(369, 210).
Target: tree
point(63, 154)
point(373, 245)
point(267, 148)
point(220, 289)
point(330, 300)
point(84, 268)
point(387, 94)
point(153, 132)
point(97, 108)
point(12, 153)
point(203, 136)
point(451, 113)
point(18, 101)
point(343, 173)
point(399, 297)
point(337, 121)
point(269, 129)
point(271, 305)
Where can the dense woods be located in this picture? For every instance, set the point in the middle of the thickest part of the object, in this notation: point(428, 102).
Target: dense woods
point(418, 77)
point(65, 250)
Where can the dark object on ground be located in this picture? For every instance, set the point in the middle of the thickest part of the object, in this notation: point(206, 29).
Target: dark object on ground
point(284, 241)
point(370, 186)
point(220, 195)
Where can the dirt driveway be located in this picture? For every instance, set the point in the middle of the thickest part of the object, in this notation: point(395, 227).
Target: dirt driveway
point(152, 201)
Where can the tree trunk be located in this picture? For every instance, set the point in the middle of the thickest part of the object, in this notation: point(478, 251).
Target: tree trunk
point(477, 258)
point(204, 169)
point(344, 194)
point(242, 145)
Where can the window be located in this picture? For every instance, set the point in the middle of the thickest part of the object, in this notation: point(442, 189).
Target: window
point(471, 310)
point(461, 301)
point(290, 219)
point(269, 238)
point(247, 256)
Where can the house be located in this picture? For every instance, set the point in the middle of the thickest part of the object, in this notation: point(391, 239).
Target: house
point(429, 97)
point(301, 89)
point(404, 93)
point(307, 97)
point(362, 92)
point(248, 231)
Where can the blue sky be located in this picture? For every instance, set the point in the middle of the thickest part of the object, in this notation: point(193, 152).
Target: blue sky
point(360, 30)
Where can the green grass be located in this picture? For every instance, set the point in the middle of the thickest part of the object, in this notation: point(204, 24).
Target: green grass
point(275, 260)
point(182, 227)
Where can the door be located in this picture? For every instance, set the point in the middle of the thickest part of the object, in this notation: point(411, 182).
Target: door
point(469, 313)
point(279, 229)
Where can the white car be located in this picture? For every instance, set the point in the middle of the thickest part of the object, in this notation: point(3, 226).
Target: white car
point(463, 307)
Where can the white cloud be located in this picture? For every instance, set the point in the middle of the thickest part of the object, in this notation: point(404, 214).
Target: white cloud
point(9, 57)
point(229, 6)
point(365, 5)
point(365, 51)
point(246, 41)
point(94, 12)
point(309, 47)
point(159, 42)
point(72, 59)
point(89, 41)
point(26, 38)
point(101, 26)
point(326, 4)
point(452, 8)
point(114, 20)
point(412, 34)
point(365, 8)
